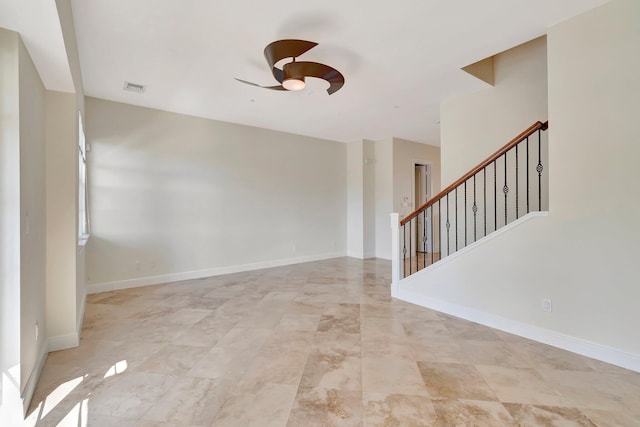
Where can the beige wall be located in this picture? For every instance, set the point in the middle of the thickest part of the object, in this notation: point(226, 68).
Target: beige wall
point(32, 215)
point(593, 101)
point(383, 196)
point(70, 118)
point(23, 226)
point(173, 194)
point(62, 176)
point(10, 405)
point(405, 154)
point(393, 177)
point(583, 254)
point(361, 233)
point(369, 198)
point(474, 126)
point(355, 199)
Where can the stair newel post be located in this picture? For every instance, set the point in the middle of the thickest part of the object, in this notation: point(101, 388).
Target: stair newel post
point(396, 265)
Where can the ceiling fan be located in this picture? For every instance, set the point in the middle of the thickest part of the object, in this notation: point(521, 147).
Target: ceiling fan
point(292, 75)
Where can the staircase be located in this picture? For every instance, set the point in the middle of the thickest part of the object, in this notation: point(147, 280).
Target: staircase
point(509, 184)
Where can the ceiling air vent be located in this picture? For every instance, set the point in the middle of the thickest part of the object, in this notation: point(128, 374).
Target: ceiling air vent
point(133, 87)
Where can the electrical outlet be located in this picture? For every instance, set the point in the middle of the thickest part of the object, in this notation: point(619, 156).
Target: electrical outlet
point(138, 266)
point(37, 331)
point(547, 305)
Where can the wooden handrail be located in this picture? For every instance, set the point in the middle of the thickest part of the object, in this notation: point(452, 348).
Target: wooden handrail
point(528, 132)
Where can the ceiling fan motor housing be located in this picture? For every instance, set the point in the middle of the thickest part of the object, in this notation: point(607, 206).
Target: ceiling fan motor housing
point(293, 78)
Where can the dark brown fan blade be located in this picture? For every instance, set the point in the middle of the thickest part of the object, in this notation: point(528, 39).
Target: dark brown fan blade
point(321, 71)
point(264, 87)
point(281, 49)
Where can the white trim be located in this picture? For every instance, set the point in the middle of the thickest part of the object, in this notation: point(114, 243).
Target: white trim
point(361, 255)
point(557, 339)
point(34, 377)
point(482, 241)
point(63, 342)
point(395, 253)
point(80, 315)
point(197, 274)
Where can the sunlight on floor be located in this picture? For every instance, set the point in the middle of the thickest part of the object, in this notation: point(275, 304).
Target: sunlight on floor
point(78, 415)
point(10, 402)
point(116, 369)
point(57, 395)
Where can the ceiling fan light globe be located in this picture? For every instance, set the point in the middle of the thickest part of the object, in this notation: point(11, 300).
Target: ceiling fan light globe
point(293, 84)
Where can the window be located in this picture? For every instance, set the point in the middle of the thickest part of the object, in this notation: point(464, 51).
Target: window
point(83, 197)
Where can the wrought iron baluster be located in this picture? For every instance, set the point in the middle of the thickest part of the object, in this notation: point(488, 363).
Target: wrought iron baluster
point(456, 194)
point(465, 213)
point(484, 204)
point(417, 255)
point(517, 216)
point(495, 196)
point(410, 252)
point(424, 238)
point(404, 249)
point(505, 189)
point(539, 168)
point(475, 211)
point(439, 229)
point(527, 174)
point(448, 224)
point(432, 238)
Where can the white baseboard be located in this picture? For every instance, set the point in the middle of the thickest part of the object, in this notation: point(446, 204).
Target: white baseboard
point(355, 254)
point(63, 342)
point(360, 255)
point(556, 339)
point(197, 274)
point(34, 377)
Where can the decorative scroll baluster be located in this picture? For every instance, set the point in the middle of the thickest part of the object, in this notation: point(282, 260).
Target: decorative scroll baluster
point(475, 210)
point(505, 189)
point(448, 224)
point(539, 168)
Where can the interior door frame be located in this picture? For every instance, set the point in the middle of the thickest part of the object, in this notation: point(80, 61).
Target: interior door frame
point(429, 164)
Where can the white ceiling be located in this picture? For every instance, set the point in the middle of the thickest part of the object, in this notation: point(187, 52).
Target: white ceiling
point(38, 24)
point(400, 58)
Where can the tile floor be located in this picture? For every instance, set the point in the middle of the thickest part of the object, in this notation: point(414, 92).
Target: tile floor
point(316, 344)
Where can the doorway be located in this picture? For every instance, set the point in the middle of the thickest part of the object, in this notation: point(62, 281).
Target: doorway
point(422, 193)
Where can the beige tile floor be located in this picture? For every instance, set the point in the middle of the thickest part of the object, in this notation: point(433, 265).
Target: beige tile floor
point(316, 344)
